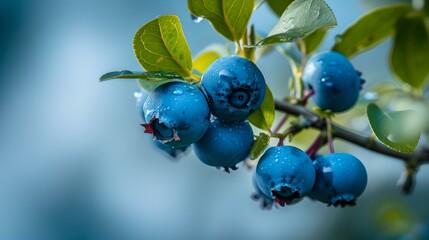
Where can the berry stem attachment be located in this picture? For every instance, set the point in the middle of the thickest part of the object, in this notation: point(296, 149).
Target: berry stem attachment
point(307, 95)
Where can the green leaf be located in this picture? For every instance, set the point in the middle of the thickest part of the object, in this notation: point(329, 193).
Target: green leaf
point(370, 30)
point(399, 130)
point(146, 80)
point(259, 145)
point(263, 117)
point(208, 55)
point(313, 41)
point(228, 17)
point(151, 76)
point(279, 6)
point(160, 45)
point(300, 19)
point(409, 56)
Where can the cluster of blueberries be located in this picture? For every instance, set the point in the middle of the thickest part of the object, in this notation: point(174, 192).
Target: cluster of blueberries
point(212, 117)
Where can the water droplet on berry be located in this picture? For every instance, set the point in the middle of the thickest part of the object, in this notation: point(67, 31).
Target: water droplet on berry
point(320, 62)
point(327, 82)
point(178, 92)
point(226, 75)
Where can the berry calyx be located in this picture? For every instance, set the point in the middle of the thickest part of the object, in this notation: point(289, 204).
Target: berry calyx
point(286, 174)
point(177, 114)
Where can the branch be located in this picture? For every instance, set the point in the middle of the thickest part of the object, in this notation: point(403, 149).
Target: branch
point(368, 142)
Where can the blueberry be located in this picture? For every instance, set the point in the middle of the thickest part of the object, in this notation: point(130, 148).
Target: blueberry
point(141, 97)
point(234, 86)
point(266, 202)
point(340, 179)
point(225, 144)
point(177, 114)
point(286, 173)
point(335, 82)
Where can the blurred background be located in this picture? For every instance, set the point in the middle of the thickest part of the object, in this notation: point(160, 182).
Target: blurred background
point(75, 164)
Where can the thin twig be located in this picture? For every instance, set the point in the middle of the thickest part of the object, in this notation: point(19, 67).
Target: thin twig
point(317, 122)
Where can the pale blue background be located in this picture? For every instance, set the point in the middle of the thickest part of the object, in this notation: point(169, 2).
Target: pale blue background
point(75, 164)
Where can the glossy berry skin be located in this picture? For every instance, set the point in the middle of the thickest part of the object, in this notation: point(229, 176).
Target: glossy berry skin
point(340, 179)
point(335, 82)
point(141, 97)
point(286, 173)
point(225, 144)
point(177, 114)
point(234, 87)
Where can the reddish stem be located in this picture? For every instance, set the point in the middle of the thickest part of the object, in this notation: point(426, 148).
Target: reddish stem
point(281, 123)
point(312, 150)
point(307, 96)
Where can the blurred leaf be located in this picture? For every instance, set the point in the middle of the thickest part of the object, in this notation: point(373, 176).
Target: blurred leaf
point(261, 142)
point(263, 117)
point(228, 17)
point(409, 56)
point(147, 80)
point(208, 55)
point(160, 45)
point(300, 19)
point(279, 6)
point(399, 130)
point(370, 30)
point(313, 41)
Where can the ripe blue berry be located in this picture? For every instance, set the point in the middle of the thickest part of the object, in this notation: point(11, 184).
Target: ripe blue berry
point(286, 173)
point(235, 88)
point(335, 82)
point(340, 179)
point(225, 144)
point(177, 114)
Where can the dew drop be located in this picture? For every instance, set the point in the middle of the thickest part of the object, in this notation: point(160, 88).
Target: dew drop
point(320, 62)
point(123, 72)
point(178, 92)
point(196, 19)
point(327, 82)
point(226, 75)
